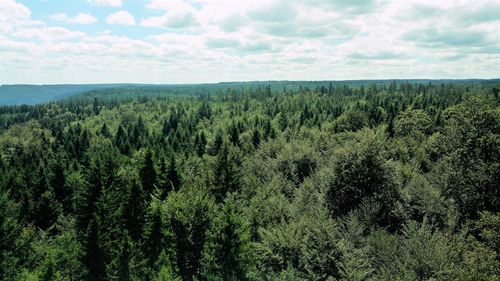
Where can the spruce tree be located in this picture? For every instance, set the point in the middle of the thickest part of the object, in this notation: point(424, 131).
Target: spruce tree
point(124, 258)
point(94, 256)
point(226, 178)
point(200, 144)
point(46, 208)
point(153, 236)
point(226, 255)
point(173, 177)
point(58, 183)
point(135, 210)
point(234, 135)
point(104, 131)
point(121, 141)
point(218, 140)
point(148, 173)
point(255, 138)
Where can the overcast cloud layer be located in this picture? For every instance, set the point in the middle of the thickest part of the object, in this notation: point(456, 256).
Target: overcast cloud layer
point(180, 41)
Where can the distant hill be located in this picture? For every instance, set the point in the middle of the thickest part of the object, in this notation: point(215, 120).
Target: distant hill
point(35, 94)
point(134, 91)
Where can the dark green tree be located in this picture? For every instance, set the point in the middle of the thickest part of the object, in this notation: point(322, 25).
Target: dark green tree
point(255, 138)
point(226, 177)
point(124, 259)
point(121, 140)
point(227, 254)
point(200, 144)
point(189, 216)
point(95, 106)
point(234, 134)
point(93, 257)
point(360, 172)
point(58, 182)
point(218, 141)
point(104, 131)
point(9, 231)
point(135, 210)
point(173, 178)
point(148, 173)
point(351, 120)
point(46, 208)
point(153, 237)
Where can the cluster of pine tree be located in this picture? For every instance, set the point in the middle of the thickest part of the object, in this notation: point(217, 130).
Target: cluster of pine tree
point(372, 182)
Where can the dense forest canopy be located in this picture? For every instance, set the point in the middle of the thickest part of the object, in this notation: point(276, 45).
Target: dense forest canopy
point(372, 181)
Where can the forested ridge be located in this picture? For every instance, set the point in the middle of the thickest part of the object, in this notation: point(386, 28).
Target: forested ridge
point(395, 181)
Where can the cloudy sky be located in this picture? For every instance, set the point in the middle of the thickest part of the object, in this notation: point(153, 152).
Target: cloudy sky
point(189, 41)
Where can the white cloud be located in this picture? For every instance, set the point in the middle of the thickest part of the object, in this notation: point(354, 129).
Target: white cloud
point(217, 40)
point(108, 3)
point(47, 33)
point(171, 21)
point(10, 10)
point(178, 6)
point(19, 47)
point(81, 18)
point(59, 17)
point(12, 14)
point(121, 17)
point(178, 14)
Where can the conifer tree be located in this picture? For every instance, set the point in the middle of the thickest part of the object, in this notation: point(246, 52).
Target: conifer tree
point(135, 210)
point(255, 138)
point(58, 183)
point(200, 143)
point(218, 140)
point(225, 174)
point(226, 255)
point(153, 236)
point(148, 173)
point(164, 186)
point(173, 177)
point(234, 135)
point(93, 256)
point(189, 215)
point(121, 141)
point(46, 208)
point(95, 107)
point(104, 131)
point(124, 257)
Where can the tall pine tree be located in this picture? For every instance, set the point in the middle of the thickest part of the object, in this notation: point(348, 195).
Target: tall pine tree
point(148, 173)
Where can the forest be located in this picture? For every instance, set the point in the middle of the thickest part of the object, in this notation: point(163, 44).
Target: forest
point(367, 181)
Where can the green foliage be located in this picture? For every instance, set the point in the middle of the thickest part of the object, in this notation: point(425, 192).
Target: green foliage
point(360, 172)
point(9, 230)
point(419, 200)
point(487, 229)
point(226, 255)
point(134, 209)
point(226, 172)
point(93, 252)
point(189, 214)
point(470, 172)
point(148, 173)
point(307, 245)
point(351, 120)
point(412, 123)
point(173, 177)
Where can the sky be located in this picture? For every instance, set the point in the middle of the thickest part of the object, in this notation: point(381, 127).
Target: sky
point(195, 41)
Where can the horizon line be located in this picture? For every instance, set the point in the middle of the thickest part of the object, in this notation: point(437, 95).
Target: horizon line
point(247, 81)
